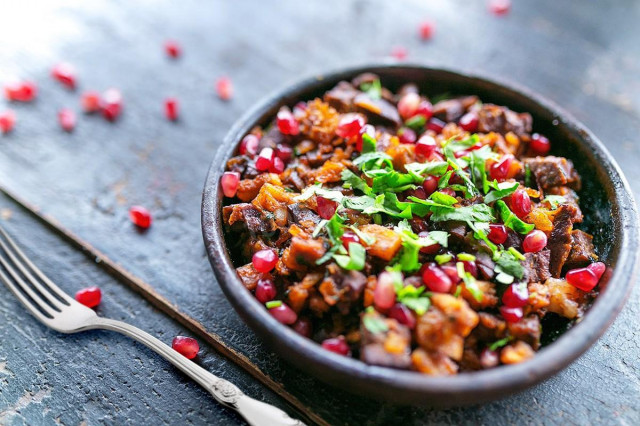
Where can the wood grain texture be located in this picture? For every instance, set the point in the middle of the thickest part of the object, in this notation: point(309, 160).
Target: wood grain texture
point(582, 55)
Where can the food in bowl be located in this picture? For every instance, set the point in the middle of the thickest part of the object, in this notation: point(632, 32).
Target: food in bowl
point(430, 235)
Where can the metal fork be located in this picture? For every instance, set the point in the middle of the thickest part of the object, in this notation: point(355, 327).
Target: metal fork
point(57, 310)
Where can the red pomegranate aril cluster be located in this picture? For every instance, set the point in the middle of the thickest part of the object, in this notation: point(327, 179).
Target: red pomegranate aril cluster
point(337, 345)
point(90, 102)
point(277, 165)
point(511, 314)
point(469, 122)
point(403, 315)
point(89, 297)
point(384, 295)
point(436, 125)
point(111, 104)
point(500, 170)
point(539, 144)
point(452, 272)
point(24, 91)
point(284, 152)
point(436, 279)
point(229, 182)
point(264, 260)
point(67, 119)
point(326, 207)
point(249, 145)
point(425, 109)
point(265, 291)
point(520, 203)
point(407, 135)
point(426, 146)
point(408, 105)
point(7, 121)
point(516, 296)
point(66, 74)
point(497, 233)
point(171, 109)
point(287, 124)
point(427, 29)
point(470, 267)
point(349, 237)
point(430, 185)
point(186, 346)
point(224, 88)
point(172, 49)
point(535, 241)
point(284, 314)
point(586, 279)
point(350, 125)
point(140, 216)
point(264, 160)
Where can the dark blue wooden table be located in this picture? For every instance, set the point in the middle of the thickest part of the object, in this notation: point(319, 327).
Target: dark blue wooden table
point(585, 56)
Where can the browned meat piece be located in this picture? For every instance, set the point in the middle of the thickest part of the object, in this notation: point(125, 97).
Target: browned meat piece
point(302, 253)
point(248, 188)
point(249, 276)
point(514, 239)
point(536, 266)
point(341, 97)
point(516, 352)
point(306, 218)
point(434, 363)
point(485, 265)
point(378, 111)
point(581, 253)
point(452, 109)
point(528, 330)
point(560, 240)
point(538, 297)
point(271, 138)
point(250, 216)
point(298, 294)
point(489, 298)
point(457, 231)
point(408, 88)
point(367, 77)
point(237, 164)
point(319, 122)
point(499, 119)
point(291, 177)
point(390, 348)
point(490, 328)
point(570, 197)
point(565, 299)
point(553, 171)
point(271, 198)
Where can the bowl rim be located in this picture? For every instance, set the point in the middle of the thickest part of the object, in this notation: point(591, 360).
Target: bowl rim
point(305, 353)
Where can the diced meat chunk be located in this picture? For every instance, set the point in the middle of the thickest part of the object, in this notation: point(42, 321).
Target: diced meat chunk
point(306, 218)
point(581, 253)
point(319, 122)
point(378, 111)
point(499, 119)
point(250, 216)
point(341, 97)
point(536, 266)
point(516, 353)
point(248, 188)
point(390, 348)
point(490, 327)
point(272, 197)
point(560, 239)
point(249, 276)
point(539, 297)
point(565, 299)
point(451, 110)
point(488, 299)
point(527, 329)
point(386, 242)
point(553, 171)
point(433, 363)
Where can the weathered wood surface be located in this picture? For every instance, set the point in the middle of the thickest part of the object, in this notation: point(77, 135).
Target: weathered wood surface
point(584, 56)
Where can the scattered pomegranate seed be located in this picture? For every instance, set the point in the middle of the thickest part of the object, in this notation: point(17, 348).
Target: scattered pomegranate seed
point(326, 207)
point(426, 146)
point(497, 233)
point(264, 260)
point(539, 144)
point(582, 278)
point(67, 119)
point(432, 249)
point(303, 327)
point(436, 279)
point(399, 52)
point(452, 272)
point(66, 74)
point(89, 297)
point(90, 102)
point(511, 314)
point(186, 346)
point(7, 121)
point(172, 48)
point(403, 315)
point(350, 237)
point(337, 345)
point(384, 295)
point(500, 169)
point(224, 88)
point(249, 145)
point(299, 110)
point(408, 105)
point(430, 184)
point(277, 166)
point(427, 29)
point(264, 160)
point(368, 129)
point(111, 105)
point(418, 192)
point(425, 109)
point(407, 135)
point(499, 7)
point(287, 123)
point(24, 91)
point(265, 291)
point(516, 296)
point(598, 269)
point(284, 152)
point(489, 358)
point(350, 125)
point(284, 314)
point(520, 203)
point(436, 125)
point(448, 191)
point(171, 109)
point(140, 217)
point(535, 241)
point(469, 122)
point(470, 267)
point(229, 182)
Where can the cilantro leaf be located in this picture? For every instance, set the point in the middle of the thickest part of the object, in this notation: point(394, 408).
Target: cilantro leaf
point(374, 323)
point(394, 182)
point(354, 181)
point(373, 89)
point(416, 122)
point(477, 166)
point(434, 168)
point(473, 213)
point(480, 232)
point(355, 260)
point(554, 200)
point(442, 198)
point(504, 189)
point(368, 143)
point(500, 343)
point(511, 220)
point(419, 304)
point(371, 160)
point(509, 265)
point(317, 189)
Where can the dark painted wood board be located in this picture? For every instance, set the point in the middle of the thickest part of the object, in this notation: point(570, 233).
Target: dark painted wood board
point(584, 56)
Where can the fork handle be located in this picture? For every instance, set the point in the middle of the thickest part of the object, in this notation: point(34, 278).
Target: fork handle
point(256, 413)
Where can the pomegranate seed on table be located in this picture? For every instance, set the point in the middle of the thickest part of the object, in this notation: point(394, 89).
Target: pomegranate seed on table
point(500, 170)
point(89, 297)
point(425, 109)
point(407, 135)
point(426, 29)
point(511, 314)
point(7, 121)
point(516, 296)
point(111, 104)
point(140, 216)
point(436, 279)
point(520, 203)
point(249, 145)
point(326, 207)
point(265, 291)
point(90, 102)
point(403, 315)
point(349, 125)
point(172, 49)
point(489, 358)
point(24, 91)
point(284, 152)
point(535, 241)
point(469, 122)
point(350, 237)
point(337, 345)
point(539, 144)
point(67, 119)
point(264, 260)
point(432, 249)
point(499, 7)
point(399, 52)
point(384, 295)
point(66, 74)
point(436, 125)
point(497, 233)
point(426, 145)
point(186, 346)
point(303, 327)
point(408, 105)
point(430, 184)
point(597, 268)
point(287, 124)
point(283, 313)
point(171, 109)
point(277, 166)
point(583, 278)
point(229, 182)
point(368, 129)
point(224, 88)
point(264, 160)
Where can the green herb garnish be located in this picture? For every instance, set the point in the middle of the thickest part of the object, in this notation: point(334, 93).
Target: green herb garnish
point(511, 220)
point(500, 343)
point(273, 304)
point(504, 190)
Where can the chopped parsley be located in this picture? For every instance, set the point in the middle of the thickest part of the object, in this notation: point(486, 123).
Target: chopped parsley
point(373, 89)
point(373, 322)
point(504, 189)
point(511, 220)
point(368, 143)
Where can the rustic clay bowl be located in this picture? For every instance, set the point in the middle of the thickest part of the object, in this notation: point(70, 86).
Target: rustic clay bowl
point(606, 201)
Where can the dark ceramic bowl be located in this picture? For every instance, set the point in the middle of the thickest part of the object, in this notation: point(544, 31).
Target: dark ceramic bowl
point(605, 199)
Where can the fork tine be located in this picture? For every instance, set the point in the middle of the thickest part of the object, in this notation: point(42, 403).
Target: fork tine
point(26, 302)
point(53, 290)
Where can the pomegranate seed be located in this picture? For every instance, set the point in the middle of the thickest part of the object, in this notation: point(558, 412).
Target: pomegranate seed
point(500, 169)
point(436, 279)
point(350, 125)
point(264, 260)
point(111, 105)
point(249, 145)
point(450, 192)
point(451, 271)
point(172, 48)
point(511, 314)
point(277, 166)
point(407, 135)
point(224, 88)
point(426, 29)
point(497, 233)
point(489, 358)
point(186, 346)
point(582, 278)
point(67, 119)
point(229, 182)
point(598, 269)
point(140, 217)
point(24, 91)
point(7, 121)
point(66, 74)
point(171, 109)
point(299, 110)
point(425, 109)
point(265, 291)
point(89, 297)
point(326, 207)
point(287, 123)
point(399, 52)
point(499, 7)
point(337, 345)
point(403, 315)
point(470, 267)
point(368, 129)
point(432, 249)
point(426, 145)
point(419, 192)
point(520, 203)
point(284, 314)
point(349, 237)
point(303, 327)
point(90, 102)
point(284, 152)
point(535, 241)
point(408, 105)
point(516, 296)
point(384, 295)
point(430, 184)
point(539, 144)
point(469, 122)
point(264, 160)
point(435, 125)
